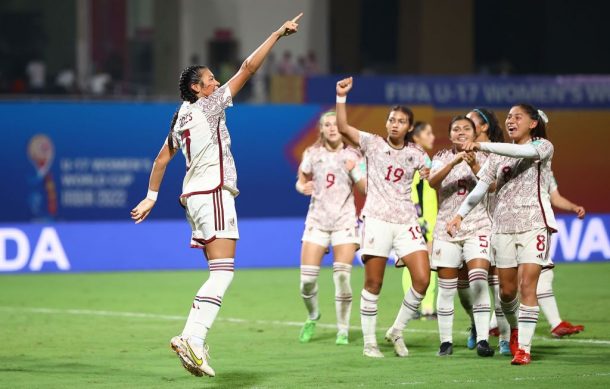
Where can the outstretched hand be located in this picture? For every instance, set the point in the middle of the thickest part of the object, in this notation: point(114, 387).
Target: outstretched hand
point(344, 86)
point(141, 211)
point(290, 27)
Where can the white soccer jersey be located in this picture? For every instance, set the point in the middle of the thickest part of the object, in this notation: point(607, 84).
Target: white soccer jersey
point(454, 188)
point(332, 203)
point(522, 190)
point(201, 131)
point(389, 177)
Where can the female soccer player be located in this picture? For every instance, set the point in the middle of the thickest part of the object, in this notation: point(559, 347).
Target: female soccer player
point(453, 175)
point(199, 129)
point(487, 130)
point(424, 198)
point(390, 218)
point(523, 219)
point(331, 219)
point(544, 290)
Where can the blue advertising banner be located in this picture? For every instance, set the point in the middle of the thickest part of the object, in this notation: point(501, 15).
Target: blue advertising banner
point(468, 91)
point(91, 161)
point(159, 245)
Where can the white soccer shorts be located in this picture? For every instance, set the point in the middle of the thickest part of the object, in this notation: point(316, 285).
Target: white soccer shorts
point(333, 238)
point(211, 216)
point(511, 250)
point(453, 254)
point(380, 237)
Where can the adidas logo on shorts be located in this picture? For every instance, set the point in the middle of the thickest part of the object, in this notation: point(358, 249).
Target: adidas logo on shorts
point(540, 256)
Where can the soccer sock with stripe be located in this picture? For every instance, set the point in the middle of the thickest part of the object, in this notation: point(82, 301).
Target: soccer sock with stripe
point(343, 295)
point(510, 311)
point(368, 316)
point(447, 288)
point(408, 310)
point(465, 295)
point(481, 307)
point(501, 322)
point(309, 289)
point(528, 317)
point(546, 297)
point(208, 300)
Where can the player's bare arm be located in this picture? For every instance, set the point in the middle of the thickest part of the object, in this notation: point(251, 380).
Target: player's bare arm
point(350, 133)
point(558, 201)
point(141, 211)
point(436, 177)
point(255, 60)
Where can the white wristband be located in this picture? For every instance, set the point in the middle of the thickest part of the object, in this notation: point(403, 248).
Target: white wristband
point(355, 174)
point(152, 195)
point(341, 99)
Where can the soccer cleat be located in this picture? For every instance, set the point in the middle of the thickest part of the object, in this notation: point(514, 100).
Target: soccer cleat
point(400, 349)
point(308, 330)
point(504, 348)
point(494, 332)
point(372, 351)
point(471, 343)
point(193, 360)
point(566, 328)
point(521, 358)
point(341, 339)
point(483, 349)
point(445, 349)
point(513, 345)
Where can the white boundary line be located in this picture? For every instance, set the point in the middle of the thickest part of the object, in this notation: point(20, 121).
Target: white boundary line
point(144, 315)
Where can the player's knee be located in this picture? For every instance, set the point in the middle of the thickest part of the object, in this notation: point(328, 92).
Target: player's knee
point(308, 284)
point(421, 283)
point(508, 292)
point(373, 286)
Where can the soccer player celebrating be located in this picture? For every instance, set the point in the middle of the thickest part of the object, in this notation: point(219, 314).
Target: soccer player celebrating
point(453, 175)
point(327, 173)
point(210, 185)
point(487, 129)
point(523, 218)
point(390, 218)
point(424, 198)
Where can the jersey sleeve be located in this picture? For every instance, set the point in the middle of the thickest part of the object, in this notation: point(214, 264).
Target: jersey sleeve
point(306, 162)
point(366, 140)
point(544, 148)
point(437, 163)
point(553, 184)
point(488, 171)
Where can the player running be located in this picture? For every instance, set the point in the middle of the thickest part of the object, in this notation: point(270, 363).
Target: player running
point(523, 218)
point(390, 218)
point(453, 175)
point(327, 173)
point(210, 185)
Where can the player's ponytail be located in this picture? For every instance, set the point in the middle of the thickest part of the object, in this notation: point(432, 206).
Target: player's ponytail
point(535, 114)
point(170, 138)
point(188, 77)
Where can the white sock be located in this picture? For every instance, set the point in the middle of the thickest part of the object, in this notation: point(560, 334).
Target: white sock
point(481, 307)
point(546, 297)
point(510, 312)
point(309, 289)
point(501, 322)
point(408, 310)
point(208, 300)
point(368, 316)
point(465, 295)
point(447, 288)
point(343, 295)
point(528, 317)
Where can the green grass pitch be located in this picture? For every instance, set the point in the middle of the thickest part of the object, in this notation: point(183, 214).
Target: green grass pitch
point(113, 329)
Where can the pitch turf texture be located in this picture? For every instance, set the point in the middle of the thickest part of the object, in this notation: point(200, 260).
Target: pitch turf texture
point(113, 330)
